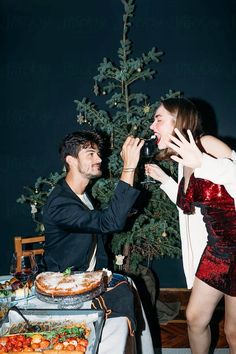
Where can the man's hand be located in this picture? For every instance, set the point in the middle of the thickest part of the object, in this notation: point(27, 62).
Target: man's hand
point(190, 155)
point(130, 152)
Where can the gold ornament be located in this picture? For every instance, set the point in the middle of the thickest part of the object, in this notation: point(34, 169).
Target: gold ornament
point(81, 119)
point(146, 108)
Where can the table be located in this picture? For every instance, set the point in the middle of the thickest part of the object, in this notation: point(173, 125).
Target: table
point(115, 332)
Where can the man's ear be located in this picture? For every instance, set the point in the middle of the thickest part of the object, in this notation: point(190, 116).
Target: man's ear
point(70, 160)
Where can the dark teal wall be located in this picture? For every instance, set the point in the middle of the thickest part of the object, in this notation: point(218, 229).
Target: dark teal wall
point(49, 53)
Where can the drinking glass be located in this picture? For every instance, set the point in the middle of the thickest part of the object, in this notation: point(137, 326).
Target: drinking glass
point(148, 151)
point(24, 269)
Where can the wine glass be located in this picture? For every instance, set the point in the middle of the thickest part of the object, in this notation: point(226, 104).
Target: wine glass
point(24, 269)
point(147, 153)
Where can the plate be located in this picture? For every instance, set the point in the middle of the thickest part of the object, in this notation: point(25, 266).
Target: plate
point(73, 301)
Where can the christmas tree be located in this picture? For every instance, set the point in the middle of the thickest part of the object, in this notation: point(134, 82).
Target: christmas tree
point(152, 229)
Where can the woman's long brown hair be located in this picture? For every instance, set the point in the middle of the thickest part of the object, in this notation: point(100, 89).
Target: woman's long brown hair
point(187, 117)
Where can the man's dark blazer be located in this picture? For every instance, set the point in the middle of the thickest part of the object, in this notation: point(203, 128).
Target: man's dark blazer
point(70, 227)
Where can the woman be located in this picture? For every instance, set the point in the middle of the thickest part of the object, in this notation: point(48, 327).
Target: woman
point(208, 183)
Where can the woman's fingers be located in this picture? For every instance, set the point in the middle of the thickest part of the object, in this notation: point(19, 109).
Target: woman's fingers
point(180, 136)
point(174, 147)
point(177, 159)
point(190, 135)
point(175, 140)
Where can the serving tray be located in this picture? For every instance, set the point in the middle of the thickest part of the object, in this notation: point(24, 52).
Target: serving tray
point(94, 319)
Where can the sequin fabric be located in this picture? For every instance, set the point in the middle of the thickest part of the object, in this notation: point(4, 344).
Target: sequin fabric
point(217, 266)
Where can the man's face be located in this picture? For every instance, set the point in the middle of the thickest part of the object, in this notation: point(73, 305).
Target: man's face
point(89, 162)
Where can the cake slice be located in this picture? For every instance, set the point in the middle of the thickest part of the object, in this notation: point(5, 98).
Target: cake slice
point(60, 284)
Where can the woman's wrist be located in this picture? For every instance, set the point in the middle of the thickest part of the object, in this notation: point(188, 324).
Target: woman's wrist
point(164, 179)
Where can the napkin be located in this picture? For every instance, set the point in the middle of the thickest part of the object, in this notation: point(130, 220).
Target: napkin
point(118, 302)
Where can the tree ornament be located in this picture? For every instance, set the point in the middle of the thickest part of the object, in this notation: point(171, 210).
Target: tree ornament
point(146, 108)
point(139, 70)
point(82, 119)
point(164, 233)
point(112, 139)
point(33, 208)
point(120, 261)
point(96, 89)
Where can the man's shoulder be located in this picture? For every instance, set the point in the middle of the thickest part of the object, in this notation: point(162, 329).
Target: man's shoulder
point(59, 193)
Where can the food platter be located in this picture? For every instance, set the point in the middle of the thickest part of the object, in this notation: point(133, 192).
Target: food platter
point(93, 320)
point(10, 297)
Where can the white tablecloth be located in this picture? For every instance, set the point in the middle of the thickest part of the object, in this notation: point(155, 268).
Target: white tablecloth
point(115, 331)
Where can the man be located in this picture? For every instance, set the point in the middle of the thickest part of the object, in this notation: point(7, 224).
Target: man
point(74, 231)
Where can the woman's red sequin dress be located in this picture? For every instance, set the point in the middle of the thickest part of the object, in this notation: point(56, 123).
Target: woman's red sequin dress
point(217, 266)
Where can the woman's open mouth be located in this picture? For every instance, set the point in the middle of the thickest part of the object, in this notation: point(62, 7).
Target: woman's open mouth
point(158, 136)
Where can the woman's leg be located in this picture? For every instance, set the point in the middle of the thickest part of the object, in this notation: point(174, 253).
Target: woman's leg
point(202, 303)
point(230, 322)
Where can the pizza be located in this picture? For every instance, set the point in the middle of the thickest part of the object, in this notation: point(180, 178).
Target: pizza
point(71, 338)
point(61, 284)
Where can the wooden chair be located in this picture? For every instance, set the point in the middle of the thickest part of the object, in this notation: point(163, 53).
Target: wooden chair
point(21, 242)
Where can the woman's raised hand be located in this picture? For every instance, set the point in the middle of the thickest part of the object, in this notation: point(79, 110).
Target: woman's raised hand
point(188, 153)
